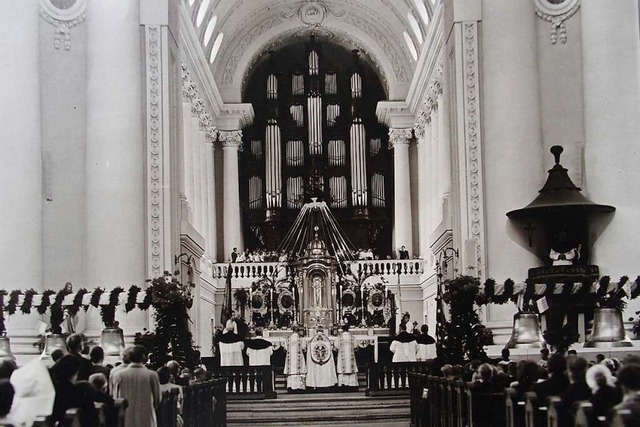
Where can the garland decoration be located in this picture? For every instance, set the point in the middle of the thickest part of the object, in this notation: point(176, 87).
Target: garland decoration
point(57, 311)
point(74, 308)
point(45, 303)
point(108, 311)
point(3, 328)
point(12, 304)
point(148, 299)
point(132, 297)
point(95, 298)
point(28, 301)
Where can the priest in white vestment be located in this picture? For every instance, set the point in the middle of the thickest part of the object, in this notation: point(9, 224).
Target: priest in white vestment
point(347, 367)
point(404, 346)
point(231, 346)
point(259, 350)
point(321, 367)
point(294, 366)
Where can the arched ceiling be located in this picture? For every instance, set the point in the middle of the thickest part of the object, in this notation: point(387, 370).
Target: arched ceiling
point(251, 28)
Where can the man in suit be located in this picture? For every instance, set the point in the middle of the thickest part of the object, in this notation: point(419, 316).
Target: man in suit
point(141, 387)
point(403, 253)
point(74, 346)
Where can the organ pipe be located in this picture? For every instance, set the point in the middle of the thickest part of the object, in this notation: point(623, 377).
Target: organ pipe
point(330, 84)
point(295, 153)
point(314, 108)
point(314, 63)
point(336, 152)
point(273, 166)
point(272, 87)
point(297, 84)
point(358, 164)
point(356, 85)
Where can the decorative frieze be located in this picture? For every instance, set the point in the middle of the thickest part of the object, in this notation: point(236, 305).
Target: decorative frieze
point(399, 136)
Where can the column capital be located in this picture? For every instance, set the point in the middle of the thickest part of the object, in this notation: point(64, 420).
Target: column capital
point(231, 138)
point(399, 137)
point(212, 135)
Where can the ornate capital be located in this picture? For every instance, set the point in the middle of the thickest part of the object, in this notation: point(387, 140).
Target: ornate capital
point(557, 12)
point(197, 106)
point(205, 121)
point(231, 138)
point(63, 15)
point(212, 134)
point(189, 90)
point(399, 137)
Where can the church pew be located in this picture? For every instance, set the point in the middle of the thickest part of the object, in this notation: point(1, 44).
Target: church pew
point(167, 410)
point(584, 415)
point(205, 404)
point(72, 418)
point(624, 418)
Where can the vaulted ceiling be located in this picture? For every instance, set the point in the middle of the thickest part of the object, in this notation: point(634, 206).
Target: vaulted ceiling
point(236, 34)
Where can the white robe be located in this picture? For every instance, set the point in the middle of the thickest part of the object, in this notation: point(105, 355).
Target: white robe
point(294, 366)
point(404, 351)
point(231, 354)
point(260, 357)
point(320, 375)
point(347, 368)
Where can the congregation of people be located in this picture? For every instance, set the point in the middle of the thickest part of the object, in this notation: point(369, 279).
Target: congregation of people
point(608, 384)
point(79, 379)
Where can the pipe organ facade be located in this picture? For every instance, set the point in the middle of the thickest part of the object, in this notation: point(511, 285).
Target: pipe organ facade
point(315, 120)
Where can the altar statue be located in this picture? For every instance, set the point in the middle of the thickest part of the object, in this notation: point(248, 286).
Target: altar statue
point(294, 366)
point(321, 368)
point(317, 291)
point(347, 367)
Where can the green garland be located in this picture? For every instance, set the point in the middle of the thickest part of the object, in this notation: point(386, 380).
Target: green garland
point(45, 303)
point(3, 327)
point(74, 308)
point(27, 304)
point(108, 311)
point(12, 304)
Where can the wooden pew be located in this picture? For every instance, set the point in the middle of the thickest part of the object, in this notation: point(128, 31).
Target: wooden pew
point(167, 410)
point(625, 418)
point(584, 415)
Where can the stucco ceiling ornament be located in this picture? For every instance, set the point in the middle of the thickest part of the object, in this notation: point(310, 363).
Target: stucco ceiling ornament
point(312, 13)
point(399, 137)
point(63, 15)
point(557, 12)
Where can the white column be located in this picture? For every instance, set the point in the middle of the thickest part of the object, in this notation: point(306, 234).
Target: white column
point(611, 78)
point(423, 139)
point(436, 157)
point(212, 237)
point(196, 204)
point(399, 142)
point(204, 197)
point(187, 160)
point(231, 143)
point(444, 142)
point(21, 161)
point(115, 151)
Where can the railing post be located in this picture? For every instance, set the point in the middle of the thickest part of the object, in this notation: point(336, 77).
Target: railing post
point(553, 413)
point(508, 404)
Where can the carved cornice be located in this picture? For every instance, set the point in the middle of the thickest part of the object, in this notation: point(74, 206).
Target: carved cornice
point(399, 137)
point(63, 17)
point(231, 139)
point(394, 114)
point(473, 140)
point(557, 14)
point(430, 101)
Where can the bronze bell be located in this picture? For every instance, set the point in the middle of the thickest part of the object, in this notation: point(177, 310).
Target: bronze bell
point(5, 349)
point(608, 330)
point(112, 341)
point(52, 342)
point(526, 332)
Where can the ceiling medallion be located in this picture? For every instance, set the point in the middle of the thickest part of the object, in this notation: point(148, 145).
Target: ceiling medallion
point(557, 12)
point(63, 15)
point(312, 13)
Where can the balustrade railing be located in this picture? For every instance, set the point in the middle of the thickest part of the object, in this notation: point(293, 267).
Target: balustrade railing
point(247, 382)
point(392, 378)
point(205, 404)
point(167, 410)
point(256, 270)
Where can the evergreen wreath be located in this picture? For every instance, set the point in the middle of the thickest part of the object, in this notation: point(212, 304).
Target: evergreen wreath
point(57, 311)
point(108, 311)
point(95, 298)
point(12, 304)
point(45, 303)
point(148, 299)
point(132, 297)
point(27, 304)
point(74, 308)
point(3, 328)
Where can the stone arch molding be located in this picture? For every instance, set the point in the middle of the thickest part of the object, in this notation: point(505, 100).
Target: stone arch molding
point(353, 26)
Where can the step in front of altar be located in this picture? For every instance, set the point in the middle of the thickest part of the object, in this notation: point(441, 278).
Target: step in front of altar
point(281, 382)
point(319, 409)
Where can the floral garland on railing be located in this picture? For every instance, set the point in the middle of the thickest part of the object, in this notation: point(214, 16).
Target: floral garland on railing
point(53, 301)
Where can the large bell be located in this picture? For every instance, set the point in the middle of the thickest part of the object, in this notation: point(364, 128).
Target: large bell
point(608, 330)
point(526, 332)
point(53, 342)
point(112, 341)
point(5, 349)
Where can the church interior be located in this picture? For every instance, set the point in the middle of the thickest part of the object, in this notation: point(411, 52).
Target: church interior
point(297, 166)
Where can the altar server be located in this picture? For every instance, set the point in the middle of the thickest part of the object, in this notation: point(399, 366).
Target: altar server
point(231, 346)
point(321, 368)
point(404, 346)
point(259, 350)
point(426, 347)
point(347, 367)
point(294, 366)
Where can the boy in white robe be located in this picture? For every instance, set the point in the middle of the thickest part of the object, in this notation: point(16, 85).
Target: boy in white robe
point(259, 350)
point(231, 346)
point(347, 367)
point(294, 366)
point(404, 346)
